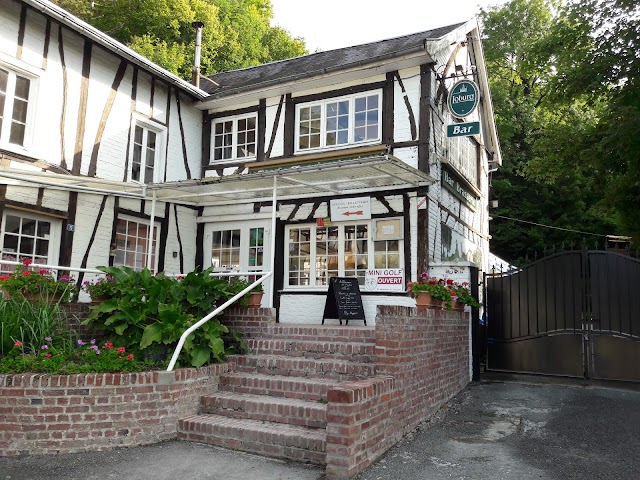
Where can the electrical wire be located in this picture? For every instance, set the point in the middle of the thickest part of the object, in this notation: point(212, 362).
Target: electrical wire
point(549, 226)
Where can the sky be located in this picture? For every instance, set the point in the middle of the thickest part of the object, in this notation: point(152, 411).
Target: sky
point(329, 24)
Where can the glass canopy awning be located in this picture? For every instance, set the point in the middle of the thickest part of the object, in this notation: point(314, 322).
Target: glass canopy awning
point(380, 172)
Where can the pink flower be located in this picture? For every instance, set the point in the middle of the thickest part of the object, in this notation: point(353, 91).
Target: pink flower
point(121, 349)
point(108, 345)
point(130, 356)
point(48, 355)
point(26, 274)
point(44, 347)
point(17, 344)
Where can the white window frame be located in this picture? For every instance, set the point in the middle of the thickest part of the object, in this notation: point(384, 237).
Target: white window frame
point(351, 129)
point(55, 230)
point(234, 135)
point(147, 223)
point(14, 70)
point(371, 239)
point(161, 134)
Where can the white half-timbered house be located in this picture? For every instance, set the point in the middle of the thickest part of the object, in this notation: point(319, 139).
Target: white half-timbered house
point(331, 164)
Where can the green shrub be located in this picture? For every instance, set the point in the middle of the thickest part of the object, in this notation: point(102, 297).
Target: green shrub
point(61, 355)
point(149, 311)
point(28, 322)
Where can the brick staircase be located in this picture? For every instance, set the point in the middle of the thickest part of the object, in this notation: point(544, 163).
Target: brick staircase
point(274, 402)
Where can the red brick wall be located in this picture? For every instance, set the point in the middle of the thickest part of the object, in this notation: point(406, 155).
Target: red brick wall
point(42, 414)
point(422, 360)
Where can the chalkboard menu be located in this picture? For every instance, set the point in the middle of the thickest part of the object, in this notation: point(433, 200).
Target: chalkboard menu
point(344, 301)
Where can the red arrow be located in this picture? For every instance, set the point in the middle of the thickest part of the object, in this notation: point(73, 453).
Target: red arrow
point(359, 212)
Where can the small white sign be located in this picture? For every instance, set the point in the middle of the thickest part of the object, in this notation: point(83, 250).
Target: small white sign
point(422, 203)
point(384, 280)
point(349, 209)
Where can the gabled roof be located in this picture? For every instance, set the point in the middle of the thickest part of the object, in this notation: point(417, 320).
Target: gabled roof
point(84, 29)
point(261, 76)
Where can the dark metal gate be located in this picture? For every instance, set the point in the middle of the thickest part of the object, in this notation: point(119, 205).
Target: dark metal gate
point(574, 314)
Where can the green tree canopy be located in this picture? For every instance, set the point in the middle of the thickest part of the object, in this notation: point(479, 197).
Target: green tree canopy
point(552, 107)
point(237, 33)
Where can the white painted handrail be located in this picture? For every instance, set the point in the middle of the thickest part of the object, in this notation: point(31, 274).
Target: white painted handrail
point(219, 309)
point(52, 267)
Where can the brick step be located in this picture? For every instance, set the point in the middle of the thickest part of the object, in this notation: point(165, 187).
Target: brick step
point(320, 333)
point(268, 409)
point(262, 438)
point(362, 352)
point(302, 366)
point(312, 389)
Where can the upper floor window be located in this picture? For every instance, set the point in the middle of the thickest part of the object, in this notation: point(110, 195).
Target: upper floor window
point(146, 154)
point(234, 138)
point(14, 102)
point(339, 121)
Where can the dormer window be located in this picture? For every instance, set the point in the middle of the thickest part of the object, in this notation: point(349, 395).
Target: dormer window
point(334, 122)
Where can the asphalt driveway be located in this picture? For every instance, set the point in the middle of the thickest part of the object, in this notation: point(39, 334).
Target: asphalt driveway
point(522, 431)
point(491, 430)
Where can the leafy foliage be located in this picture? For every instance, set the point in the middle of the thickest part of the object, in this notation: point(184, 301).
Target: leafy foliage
point(27, 281)
point(551, 115)
point(237, 33)
point(27, 322)
point(60, 355)
point(151, 312)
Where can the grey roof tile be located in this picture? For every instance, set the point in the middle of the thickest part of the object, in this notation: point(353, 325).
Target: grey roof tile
point(317, 63)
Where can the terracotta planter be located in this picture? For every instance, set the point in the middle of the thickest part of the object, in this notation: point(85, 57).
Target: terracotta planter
point(255, 299)
point(98, 300)
point(424, 299)
point(457, 306)
point(37, 296)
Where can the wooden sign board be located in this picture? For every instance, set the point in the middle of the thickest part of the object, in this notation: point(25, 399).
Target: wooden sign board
point(344, 300)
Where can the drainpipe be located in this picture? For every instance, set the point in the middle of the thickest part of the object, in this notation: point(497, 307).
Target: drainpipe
point(195, 71)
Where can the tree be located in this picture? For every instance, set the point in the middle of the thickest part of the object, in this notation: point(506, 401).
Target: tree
point(538, 135)
point(237, 33)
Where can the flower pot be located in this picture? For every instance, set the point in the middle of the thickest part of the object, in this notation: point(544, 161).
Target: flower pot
point(255, 299)
point(424, 299)
point(99, 299)
point(42, 296)
point(457, 306)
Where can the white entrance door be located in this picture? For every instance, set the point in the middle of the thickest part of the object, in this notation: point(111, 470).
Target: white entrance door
point(239, 246)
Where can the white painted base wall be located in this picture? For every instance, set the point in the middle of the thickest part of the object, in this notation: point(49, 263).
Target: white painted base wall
point(308, 309)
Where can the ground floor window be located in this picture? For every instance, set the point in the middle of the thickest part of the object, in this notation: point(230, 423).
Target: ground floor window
point(237, 246)
point(134, 243)
point(29, 236)
point(315, 253)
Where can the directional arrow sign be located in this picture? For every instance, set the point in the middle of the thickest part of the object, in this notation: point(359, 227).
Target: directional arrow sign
point(463, 129)
point(346, 209)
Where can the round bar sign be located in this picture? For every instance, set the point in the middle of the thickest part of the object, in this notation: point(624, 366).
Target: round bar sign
point(463, 98)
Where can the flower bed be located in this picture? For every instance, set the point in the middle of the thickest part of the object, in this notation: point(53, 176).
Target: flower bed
point(44, 414)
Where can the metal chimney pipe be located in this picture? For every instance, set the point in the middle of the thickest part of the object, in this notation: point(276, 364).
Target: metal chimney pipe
point(195, 71)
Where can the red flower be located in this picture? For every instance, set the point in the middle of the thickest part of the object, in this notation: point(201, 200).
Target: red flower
point(121, 349)
point(48, 355)
point(17, 344)
point(432, 282)
point(27, 262)
point(26, 274)
point(4, 277)
point(43, 271)
point(130, 356)
point(108, 345)
point(449, 281)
